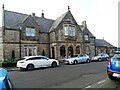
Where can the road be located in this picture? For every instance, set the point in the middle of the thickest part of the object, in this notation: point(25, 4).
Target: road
point(85, 75)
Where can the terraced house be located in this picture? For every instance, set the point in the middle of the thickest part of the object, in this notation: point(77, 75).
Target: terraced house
point(26, 35)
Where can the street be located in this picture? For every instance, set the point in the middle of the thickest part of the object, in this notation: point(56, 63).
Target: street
point(84, 75)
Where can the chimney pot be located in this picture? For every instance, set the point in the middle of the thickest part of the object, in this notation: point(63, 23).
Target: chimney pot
point(42, 15)
point(33, 15)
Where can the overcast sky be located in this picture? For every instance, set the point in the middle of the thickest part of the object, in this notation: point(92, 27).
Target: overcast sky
point(101, 15)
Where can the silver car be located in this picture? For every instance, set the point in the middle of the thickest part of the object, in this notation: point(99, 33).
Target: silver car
point(100, 57)
point(78, 58)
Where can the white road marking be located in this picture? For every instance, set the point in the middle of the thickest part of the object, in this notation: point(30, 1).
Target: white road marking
point(95, 84)
point(88, 87)
point(101, 82)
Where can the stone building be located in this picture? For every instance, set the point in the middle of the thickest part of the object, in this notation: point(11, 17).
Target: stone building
point(26, 35)
point(102, 46)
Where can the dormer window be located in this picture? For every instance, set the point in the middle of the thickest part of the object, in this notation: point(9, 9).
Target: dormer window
point(69, 30)
point(30, 31)
point(86, 38)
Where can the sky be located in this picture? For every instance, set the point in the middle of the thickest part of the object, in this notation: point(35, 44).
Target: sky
point(101, 16)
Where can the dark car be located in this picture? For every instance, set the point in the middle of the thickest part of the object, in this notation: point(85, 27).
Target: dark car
point(113, 66)
point(5, 83)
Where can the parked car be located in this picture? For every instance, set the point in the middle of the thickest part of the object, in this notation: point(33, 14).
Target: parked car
point(5, 83)
point(78, 58)
point(100, 57)
point(31, 62)
point(113, 66)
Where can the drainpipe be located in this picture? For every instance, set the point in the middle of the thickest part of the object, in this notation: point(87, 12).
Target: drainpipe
point(20, 41)
point(3, 31)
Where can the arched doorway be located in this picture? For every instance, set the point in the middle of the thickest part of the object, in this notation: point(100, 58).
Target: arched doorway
point(62, 52)
point(53, 52)
point(78, 50)
point(70, 51)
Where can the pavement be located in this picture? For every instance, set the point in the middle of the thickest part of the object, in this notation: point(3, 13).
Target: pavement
point(11, 68)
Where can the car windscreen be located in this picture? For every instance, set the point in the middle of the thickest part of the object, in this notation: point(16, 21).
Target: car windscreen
point(99, 54)
point(117, 55)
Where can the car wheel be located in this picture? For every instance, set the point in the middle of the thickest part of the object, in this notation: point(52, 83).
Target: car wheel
point(75, 62)
point(99, 59)
point(54, 64)
point(88, 61)
point(30, 67)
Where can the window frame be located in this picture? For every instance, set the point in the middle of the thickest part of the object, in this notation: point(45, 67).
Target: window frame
point(30, 31)
point(86, 37)
point(70, 30)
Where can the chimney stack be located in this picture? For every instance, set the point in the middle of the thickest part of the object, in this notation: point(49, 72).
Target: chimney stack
point(84, 23)
point(33, 15)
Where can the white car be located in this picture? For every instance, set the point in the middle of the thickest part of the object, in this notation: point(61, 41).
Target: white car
point(31, 62)
point(78, 58)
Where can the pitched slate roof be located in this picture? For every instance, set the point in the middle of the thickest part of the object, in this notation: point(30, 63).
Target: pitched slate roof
point(85, 30)
point(101, 42)
point(45, 24)
point(13, 20)
point(57, 21)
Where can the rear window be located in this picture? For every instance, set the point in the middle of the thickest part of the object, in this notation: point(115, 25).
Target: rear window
point(117, 55)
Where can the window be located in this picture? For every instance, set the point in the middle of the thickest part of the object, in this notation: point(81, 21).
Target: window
point(30, 32)
point(69, 30)
point(34, 58)
point(66, 30)
point(44, 58)
point(73, 30)
point(30, 50)
point(86, 37)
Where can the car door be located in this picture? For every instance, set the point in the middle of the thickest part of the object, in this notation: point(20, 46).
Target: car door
point(45, 61)
point(103, 56)
point(36, 61)
point(81, 59)
point(84, 58)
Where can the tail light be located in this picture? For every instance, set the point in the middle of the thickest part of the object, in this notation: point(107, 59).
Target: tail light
point(108, 62)
point(108, 72)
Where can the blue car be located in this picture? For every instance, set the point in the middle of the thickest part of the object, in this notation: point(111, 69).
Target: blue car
point(113, 66)
point(5, 83)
